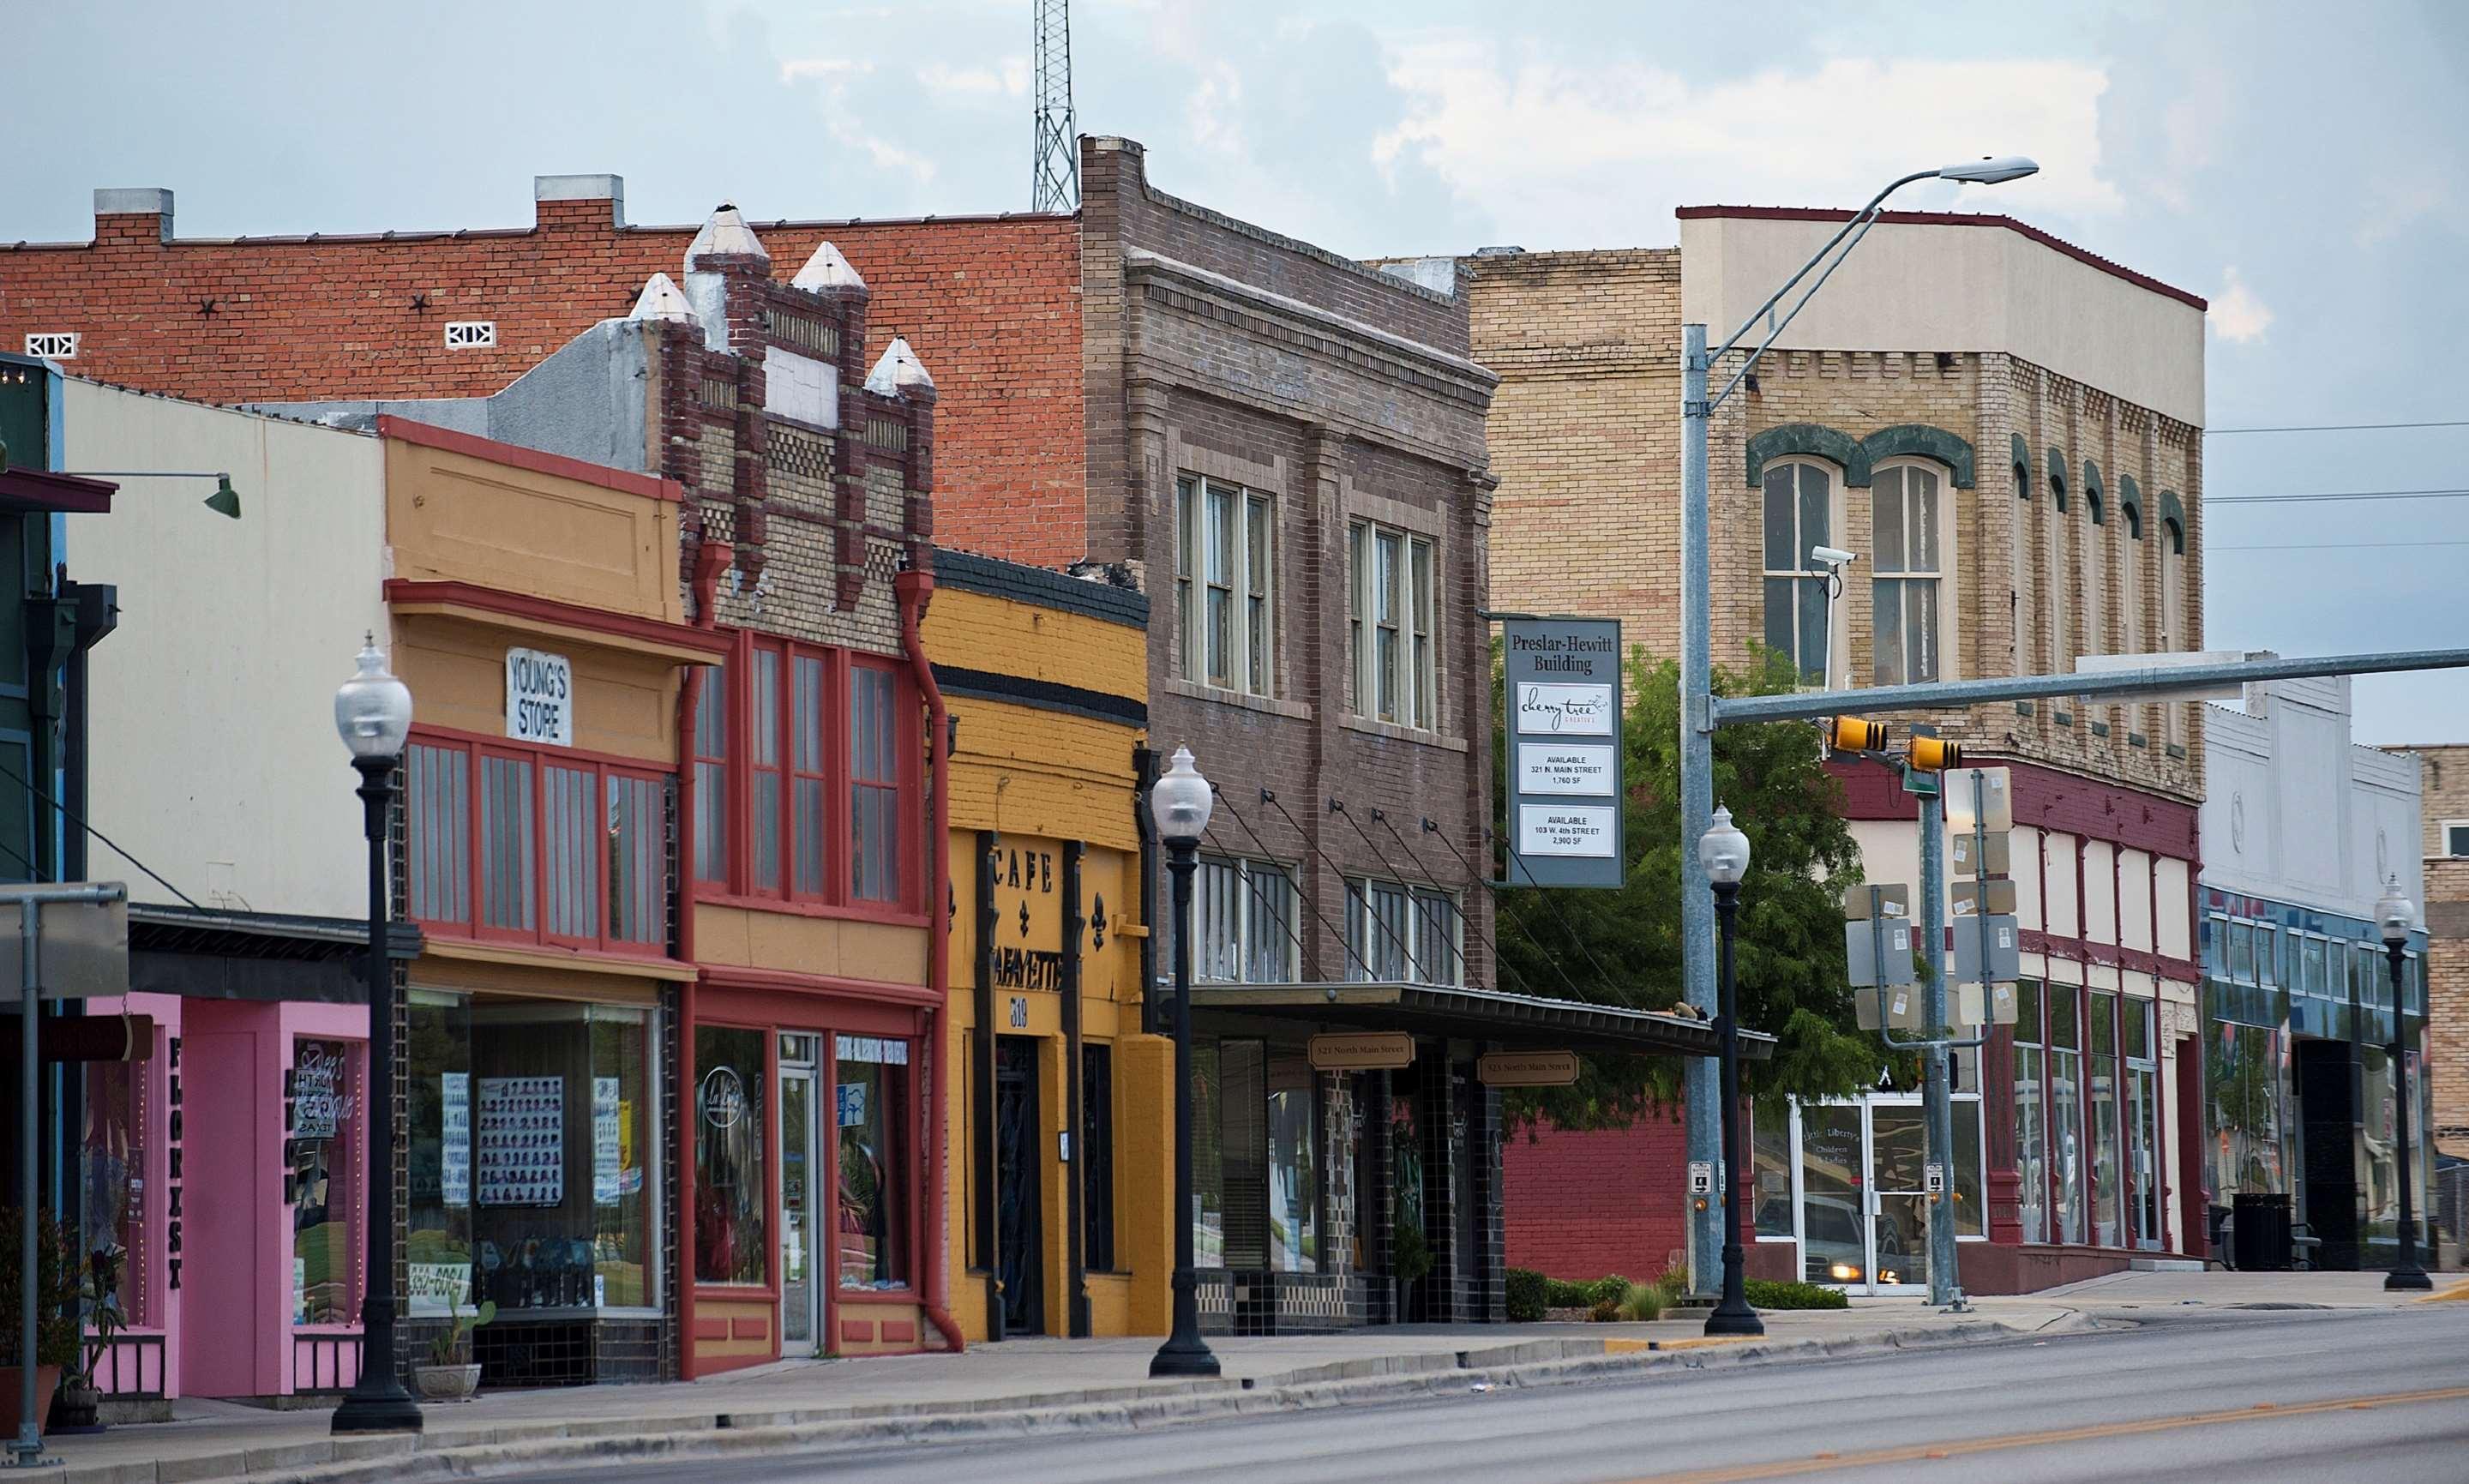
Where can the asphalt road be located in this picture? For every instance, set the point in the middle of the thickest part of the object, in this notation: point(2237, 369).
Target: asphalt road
point(2320, 1396)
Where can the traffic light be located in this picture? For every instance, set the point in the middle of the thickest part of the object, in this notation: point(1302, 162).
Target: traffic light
point(1852, 735)
point(1935, 755)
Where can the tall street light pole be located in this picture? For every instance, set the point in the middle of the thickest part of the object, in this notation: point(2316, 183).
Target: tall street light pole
point(1180, 802)
point(1724, 854)
point(373, 711)
point(1697, 635)
point(2395, 916)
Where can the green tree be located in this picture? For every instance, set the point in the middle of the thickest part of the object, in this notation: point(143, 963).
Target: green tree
point(1624, 948)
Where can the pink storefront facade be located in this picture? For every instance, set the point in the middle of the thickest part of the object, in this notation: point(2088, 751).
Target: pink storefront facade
point(226, 1154)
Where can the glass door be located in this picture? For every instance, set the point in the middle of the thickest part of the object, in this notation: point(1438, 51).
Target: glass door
point(1834, 1192)
point(1899, 1198)
point(802, 1285)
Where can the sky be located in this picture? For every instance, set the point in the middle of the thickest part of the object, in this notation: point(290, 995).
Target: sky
point(2302, 170)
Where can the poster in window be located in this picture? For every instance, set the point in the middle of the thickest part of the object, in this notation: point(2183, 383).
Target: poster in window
point(318, 1102)
point(455, 1143)
point(521, 1148)
point(608, 1163)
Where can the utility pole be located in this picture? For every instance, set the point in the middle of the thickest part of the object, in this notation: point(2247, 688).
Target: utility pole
point(1699, 1107)
point(1054, 153)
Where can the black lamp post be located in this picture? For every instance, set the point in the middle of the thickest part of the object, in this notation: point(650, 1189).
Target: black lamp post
point(1180, 802)
point(1724, 852)
point(373, 711)
point(2395, 918)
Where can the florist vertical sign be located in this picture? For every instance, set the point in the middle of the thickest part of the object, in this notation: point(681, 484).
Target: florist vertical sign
point(1565, 751)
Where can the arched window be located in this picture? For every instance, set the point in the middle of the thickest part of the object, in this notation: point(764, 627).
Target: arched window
point(1799, 514)
point(2172, 633)
point(1909, 554)
point(2061, 579)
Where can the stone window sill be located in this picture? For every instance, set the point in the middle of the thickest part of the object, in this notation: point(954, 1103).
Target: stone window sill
point(1395, 732)
point(1222, 696)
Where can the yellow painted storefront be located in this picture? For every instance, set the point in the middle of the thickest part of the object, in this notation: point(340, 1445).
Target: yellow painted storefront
point(1044, 677)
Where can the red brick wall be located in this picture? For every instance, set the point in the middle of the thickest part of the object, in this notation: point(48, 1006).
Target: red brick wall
point(1584, 1205)
point(991, 306)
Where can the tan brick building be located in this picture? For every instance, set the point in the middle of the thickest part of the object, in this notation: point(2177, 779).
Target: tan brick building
point(2006, 430)
point(2443, 781)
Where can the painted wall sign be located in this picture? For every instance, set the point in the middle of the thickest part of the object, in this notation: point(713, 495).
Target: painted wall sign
point(1527, 1069)
point(1564, 716)
point(1583, 770)
point(539, 697)
point(1362, 1051)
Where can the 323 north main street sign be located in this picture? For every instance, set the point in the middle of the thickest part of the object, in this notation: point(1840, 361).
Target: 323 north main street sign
point(1565, 751)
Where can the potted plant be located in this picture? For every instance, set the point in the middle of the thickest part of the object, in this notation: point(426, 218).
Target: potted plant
point(451, 1374)
point(56, 1323)
point(78, 1405)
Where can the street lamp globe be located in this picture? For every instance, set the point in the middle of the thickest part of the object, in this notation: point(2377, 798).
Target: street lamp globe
point(1996, 171)
point(1723, 851)
point(1180, 801)
point(2394, 914)
point(373, 710)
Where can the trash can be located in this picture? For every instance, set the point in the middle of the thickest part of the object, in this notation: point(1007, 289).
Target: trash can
point(2261, 1232)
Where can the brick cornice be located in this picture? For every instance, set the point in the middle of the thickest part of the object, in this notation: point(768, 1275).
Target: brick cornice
point(1391, 355)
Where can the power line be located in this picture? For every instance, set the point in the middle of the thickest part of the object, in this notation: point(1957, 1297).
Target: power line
point(2221, 432)
point(2291, 499)
point(2340, 545)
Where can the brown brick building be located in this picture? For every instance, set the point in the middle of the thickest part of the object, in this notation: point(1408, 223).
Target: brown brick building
point(2006, 430)
point(2443, 781)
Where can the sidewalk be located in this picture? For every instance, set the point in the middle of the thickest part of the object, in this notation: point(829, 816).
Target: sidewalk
point(1014, 1387)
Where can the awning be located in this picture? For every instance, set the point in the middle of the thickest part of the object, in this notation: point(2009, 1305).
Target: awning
point(1508, 1020)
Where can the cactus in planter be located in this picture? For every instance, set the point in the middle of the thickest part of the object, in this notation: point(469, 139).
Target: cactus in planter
point(452, 1345)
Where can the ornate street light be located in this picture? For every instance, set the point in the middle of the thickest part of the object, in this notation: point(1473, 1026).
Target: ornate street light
point(373, 713)
point(2394, 914)
point(1724, 852)
point(1180, 802)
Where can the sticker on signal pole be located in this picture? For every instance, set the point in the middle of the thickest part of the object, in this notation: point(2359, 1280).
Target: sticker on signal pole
point(1563, 761)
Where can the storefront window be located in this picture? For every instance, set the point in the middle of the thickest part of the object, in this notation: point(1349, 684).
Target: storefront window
point(1969, 1207)
point(115, 1175)
point(535, 1179)
point(1207, 1161)
point(328, 1152)
point(2108, 1192)
point(871, 1086)
point(2066, 1111)
point(1771, 1169)
point(1833, 1168)
point(730, 1226)
point(2243, 1076)
point(2031, 1113)
point(1294, 1184)
point(438, 1223)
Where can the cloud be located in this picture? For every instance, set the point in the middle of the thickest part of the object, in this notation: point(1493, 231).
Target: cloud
point(1609, 148)
point(801, 69)
point(950, 84)
point(2237, 314)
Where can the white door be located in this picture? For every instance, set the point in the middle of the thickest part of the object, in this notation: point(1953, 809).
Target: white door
point(802, 1285)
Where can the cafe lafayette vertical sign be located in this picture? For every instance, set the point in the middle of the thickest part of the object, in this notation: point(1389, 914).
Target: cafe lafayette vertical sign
point(1565, 751)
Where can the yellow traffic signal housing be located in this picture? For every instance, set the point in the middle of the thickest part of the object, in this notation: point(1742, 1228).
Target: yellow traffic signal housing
point(1852, 735)
point(1935, 755)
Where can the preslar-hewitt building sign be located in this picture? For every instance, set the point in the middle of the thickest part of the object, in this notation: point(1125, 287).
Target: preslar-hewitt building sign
point(1565, 763)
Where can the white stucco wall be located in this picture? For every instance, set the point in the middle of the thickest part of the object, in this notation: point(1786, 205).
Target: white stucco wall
point(214, 748)
point(1954, 288)
point(2295, 812)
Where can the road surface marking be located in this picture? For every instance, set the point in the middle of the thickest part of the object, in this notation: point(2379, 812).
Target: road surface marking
point(1917, 1453)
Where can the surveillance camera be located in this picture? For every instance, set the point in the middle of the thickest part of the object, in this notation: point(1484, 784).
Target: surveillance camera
point(1831, 556)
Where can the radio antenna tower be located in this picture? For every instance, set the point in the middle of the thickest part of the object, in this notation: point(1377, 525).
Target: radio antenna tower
point(1054, 163)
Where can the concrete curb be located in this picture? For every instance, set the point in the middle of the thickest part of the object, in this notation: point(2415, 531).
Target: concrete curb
point(755, 1433)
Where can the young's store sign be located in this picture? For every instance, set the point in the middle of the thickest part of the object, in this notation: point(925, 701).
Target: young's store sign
point(539, 697)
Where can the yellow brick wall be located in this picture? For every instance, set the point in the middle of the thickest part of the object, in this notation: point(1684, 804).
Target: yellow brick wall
point(2443, 782)
point(1584, 435)
point(1042, 779)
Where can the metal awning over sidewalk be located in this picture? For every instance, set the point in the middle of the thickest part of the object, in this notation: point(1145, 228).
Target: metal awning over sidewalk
point(1519, 1021)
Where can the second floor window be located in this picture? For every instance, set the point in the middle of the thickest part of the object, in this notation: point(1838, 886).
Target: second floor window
point(1244, 925)
point(1225, 585)
point(1798, 517)
point(803, 758)
point(1391, 605)
point(1397, 934)
point(1904, 594)
point(538, 844)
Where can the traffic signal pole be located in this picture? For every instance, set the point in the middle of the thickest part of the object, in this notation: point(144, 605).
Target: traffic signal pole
point(1937, 1111)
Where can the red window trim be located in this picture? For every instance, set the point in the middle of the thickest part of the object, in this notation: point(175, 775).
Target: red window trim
point(539, 760)
point(836, 900)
